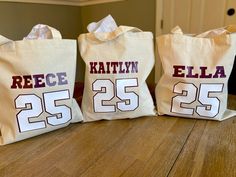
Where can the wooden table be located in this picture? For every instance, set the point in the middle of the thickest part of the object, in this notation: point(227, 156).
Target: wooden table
point(150, 146)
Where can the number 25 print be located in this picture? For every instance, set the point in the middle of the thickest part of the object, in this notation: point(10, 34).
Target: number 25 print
point(32, 107)
point(187, 93)
point(106, 90)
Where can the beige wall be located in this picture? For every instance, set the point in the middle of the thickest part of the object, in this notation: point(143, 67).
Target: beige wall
point(18, 18)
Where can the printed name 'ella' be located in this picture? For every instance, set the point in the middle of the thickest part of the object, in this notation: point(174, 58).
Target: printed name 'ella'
point(190, 72)
point(39, 80)
point(113, 67)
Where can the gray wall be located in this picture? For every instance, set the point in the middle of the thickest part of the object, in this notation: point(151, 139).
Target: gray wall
point(138, 13)
point(18, 19)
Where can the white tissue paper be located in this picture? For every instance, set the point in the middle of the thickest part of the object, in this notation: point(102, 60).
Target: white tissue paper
point(42, 31)
point(107, 24)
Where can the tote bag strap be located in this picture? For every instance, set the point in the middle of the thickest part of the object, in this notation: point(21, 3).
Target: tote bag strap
point(219, 31)
point(114, 34)
point(219, 36)
point(4, 40)
point(55, 33)
point(177, 30)
point(211, 33)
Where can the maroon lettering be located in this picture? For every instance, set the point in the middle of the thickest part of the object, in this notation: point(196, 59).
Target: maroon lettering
point(16, 82)
point(122, 70)
point(38, 80)
point(114, 65)
point(220, 72)
point(127, 64)
point(101, 69)
point(190, 72)
point(178, 71)
point(27, 81)
point(203, 73)
point(93, 69)
point(108, 67)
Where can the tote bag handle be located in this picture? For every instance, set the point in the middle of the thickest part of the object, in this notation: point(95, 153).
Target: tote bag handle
point(209, 34)
point(55, 33)
point(219, 31)
point(4, 40)
point(219, 36)
point(114, 34)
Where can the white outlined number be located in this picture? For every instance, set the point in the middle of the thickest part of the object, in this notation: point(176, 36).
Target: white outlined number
point(210, 105)
point(107, 90)
point(187, 94)
point(32, 107)
point(60, 114)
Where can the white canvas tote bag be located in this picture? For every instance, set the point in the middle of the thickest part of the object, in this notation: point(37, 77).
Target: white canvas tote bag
point(36, 87)
point(117, 65)
point(196, 72)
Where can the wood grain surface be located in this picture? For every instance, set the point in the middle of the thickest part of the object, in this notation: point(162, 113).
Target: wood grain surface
point(144, 147)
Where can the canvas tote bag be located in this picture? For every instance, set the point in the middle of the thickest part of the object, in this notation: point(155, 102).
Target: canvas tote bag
point(196, 72)
point(117, 65)
point(36, 87)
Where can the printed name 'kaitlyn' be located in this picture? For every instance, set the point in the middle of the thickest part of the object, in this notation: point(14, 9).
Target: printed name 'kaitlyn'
point(113, 67)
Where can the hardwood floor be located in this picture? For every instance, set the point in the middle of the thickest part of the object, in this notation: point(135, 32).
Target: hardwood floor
point(147, 147)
